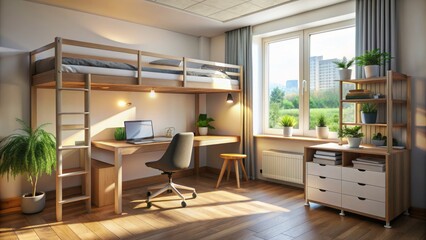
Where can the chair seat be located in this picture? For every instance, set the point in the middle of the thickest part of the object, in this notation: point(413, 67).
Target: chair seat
point(163, 166)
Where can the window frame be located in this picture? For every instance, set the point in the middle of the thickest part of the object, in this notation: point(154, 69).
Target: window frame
point(304, 75)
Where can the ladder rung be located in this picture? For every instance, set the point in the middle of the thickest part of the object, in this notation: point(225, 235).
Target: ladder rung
point(75, 89)
point(72, 172)
point(74, 199)
point(71, 127)
point(73, 147)
point(69, 113)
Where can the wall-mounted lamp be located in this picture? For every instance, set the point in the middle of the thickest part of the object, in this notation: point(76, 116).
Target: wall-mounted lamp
point(229, 98)
point(122, 103)
point(152, 93)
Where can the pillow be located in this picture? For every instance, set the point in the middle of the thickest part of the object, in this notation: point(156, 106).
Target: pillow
point(167, 62)
point(212, 67)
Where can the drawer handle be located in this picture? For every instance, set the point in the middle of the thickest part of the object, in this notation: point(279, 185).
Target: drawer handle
point(361, 198)
point(361, 184)
point(322, 190)
point(322, 177)
point(322, 164)
point(361, 170)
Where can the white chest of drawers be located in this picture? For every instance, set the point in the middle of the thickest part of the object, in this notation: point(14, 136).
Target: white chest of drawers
point(380, 195)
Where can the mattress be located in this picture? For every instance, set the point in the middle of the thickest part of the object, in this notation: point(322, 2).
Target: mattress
point(149, 74)
point(100, 67)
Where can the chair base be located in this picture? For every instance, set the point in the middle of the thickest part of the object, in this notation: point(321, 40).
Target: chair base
point(170, 186)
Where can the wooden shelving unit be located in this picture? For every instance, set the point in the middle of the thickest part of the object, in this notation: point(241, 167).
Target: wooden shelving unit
point(380, 195)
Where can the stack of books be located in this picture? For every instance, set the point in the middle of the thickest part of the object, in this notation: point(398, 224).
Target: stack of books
point(359, 94)
point(328, 157)
point(370, 164)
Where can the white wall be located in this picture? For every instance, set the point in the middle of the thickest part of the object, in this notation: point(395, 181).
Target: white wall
point(27, 26)
point(411, 34)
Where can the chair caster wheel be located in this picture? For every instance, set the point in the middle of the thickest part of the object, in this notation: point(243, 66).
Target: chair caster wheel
point(148, 193)
point(169, 191)
point(149, 204)
point(183, 204)
point(194, 195)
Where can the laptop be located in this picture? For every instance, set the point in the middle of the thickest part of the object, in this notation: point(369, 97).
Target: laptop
point(141, 131)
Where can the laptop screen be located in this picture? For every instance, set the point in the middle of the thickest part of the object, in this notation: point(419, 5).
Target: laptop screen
point(138, 129)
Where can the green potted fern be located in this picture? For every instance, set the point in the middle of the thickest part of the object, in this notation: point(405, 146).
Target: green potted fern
point(321, 128)
point(344, 65)
point(288, 122)
point(353, 135)
point(203, 124)
point(371, 60)
point(29, 152)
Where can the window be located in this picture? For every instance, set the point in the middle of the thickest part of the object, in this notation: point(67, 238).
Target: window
point(300, 76)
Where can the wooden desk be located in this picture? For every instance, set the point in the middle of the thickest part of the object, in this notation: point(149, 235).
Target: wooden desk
point(121, 148)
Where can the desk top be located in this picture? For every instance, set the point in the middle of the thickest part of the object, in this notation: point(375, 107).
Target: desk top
point(127, 148)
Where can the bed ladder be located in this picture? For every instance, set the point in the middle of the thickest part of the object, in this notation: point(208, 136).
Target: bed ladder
point(84, 147)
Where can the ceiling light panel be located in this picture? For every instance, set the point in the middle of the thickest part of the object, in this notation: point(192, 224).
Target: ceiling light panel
point(221, 10)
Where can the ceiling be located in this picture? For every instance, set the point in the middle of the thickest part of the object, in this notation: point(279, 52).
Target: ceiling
point(188, 17)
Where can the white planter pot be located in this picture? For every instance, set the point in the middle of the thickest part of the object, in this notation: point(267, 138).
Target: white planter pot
point(378, 142)
point(32, 204)
point(345, 74)
point(322, 132)
point(288, 131)
point(371, 71)
point(354, 142)
point(203, 131)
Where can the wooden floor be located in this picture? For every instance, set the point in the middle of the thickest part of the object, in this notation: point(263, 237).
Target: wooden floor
point(259, 210)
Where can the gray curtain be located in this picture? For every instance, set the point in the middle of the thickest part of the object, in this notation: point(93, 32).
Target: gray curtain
point(238, 50)
point(375, 28)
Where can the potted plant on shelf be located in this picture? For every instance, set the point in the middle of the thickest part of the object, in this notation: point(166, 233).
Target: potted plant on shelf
point(321, 127)
point(352, 134)
point(203, 124)
point(371, 60)
point(30, 152)
point(288, 122)
point(368, 113)
point(344, 65)
point(378, 139)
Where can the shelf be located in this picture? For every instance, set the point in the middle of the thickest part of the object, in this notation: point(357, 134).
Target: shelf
point(72, 172)
point(73, 127)
point(395, 77)
point(380, 100)
point(74, 199)
point(397, 125)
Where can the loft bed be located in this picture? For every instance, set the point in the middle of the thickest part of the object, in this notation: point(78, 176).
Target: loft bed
point(128, 69)
point(69, 65)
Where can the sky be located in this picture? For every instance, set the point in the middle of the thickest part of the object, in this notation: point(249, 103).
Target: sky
point(284, 54)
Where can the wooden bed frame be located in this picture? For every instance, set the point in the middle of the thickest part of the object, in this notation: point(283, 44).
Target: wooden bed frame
point(120, 83)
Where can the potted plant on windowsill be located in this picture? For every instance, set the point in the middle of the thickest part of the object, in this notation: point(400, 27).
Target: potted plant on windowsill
point(288, 122)
point(321, 128)
point(344, 65)
point(368, 113)
point(378, 139)
point(352, 134)
point(203, 124)
point(371, 60)
point(30, 152)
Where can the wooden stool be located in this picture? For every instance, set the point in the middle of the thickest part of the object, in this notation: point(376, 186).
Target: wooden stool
point(232, 157)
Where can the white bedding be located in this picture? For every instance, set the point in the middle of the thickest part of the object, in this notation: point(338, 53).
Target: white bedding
point(220, 82)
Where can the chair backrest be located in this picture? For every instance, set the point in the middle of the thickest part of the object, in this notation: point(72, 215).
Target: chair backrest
point(179, 152)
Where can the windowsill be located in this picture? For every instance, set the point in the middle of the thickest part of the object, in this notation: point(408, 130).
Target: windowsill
point(297, 138)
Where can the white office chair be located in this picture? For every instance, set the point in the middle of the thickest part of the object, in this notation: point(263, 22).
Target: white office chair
point(176, 158)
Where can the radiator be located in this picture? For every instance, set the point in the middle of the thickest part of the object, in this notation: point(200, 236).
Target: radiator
point(283, 166)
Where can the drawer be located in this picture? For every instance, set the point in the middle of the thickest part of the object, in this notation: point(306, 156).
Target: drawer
point(324, 196)
point(363, 206)
point(326, 183)
point(367, 177)
point(364, 190)
point(324, 170)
